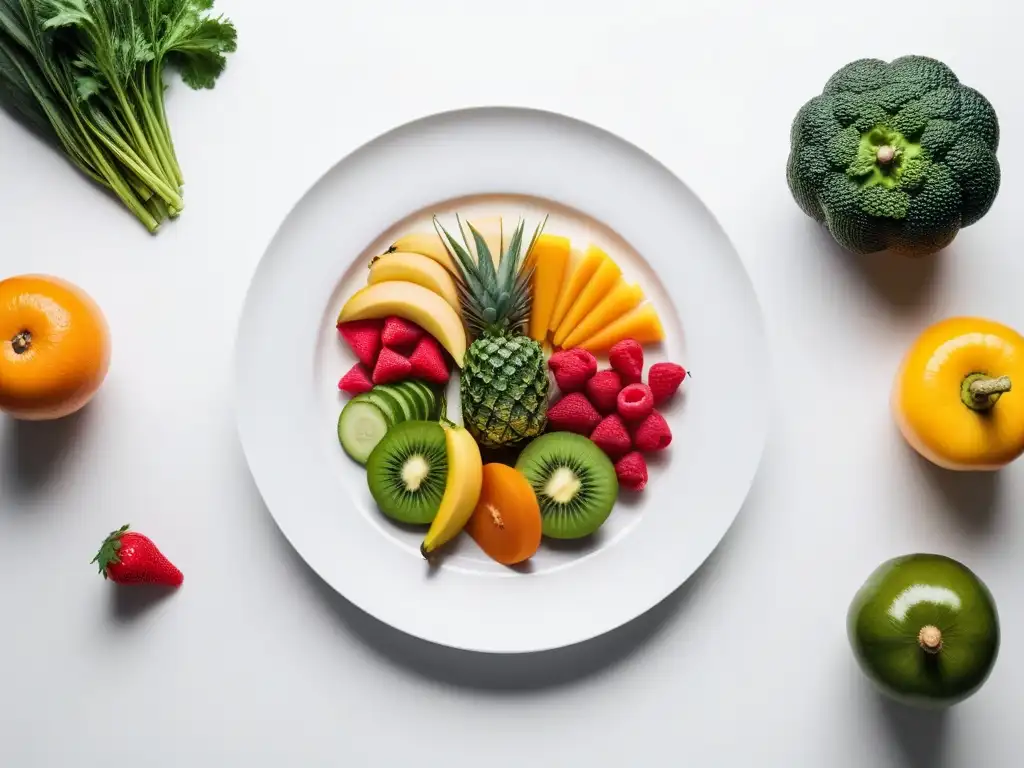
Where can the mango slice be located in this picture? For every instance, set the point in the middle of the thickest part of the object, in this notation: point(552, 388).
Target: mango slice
point(582, 271)
point(641, 324)
point(597, 288)
point(622, 298)
point(550, 260)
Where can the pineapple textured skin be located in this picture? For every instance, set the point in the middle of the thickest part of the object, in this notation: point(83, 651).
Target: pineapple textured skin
point(504, 390)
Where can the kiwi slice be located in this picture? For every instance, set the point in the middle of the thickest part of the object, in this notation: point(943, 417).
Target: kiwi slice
point(574, 481)
point(407, 471)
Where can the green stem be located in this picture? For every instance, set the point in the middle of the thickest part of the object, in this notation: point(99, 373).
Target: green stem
point(154, 132)
point(126, 155)
point(157, 90)
point(980, 392)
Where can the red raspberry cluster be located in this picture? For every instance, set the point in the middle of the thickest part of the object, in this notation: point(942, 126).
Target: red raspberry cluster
point(614, 407)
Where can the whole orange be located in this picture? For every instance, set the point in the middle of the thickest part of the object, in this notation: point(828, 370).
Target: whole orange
point(54, 347)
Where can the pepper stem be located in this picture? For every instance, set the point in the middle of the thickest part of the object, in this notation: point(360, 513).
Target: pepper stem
point(885, 155)
point(979, 391)
point(930, 639)
point(21, 342)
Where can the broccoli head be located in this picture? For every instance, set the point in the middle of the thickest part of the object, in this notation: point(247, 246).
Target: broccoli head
point(895, 156)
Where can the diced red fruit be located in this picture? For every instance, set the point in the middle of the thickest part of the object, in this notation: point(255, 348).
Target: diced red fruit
point(664, 379)
point(573, 413)
point(603, 390)
point(428, 361)
point(363, 337)
point(391, 367)
point(400, 334)
point(652, 434)
point(635, 402)
point(627, 357)
point(631, 470)
point(572, 369)
point(357, 380)
point(612, 437)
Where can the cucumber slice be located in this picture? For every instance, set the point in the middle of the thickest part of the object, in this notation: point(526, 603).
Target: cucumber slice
point(387, 403)
point(427, 396)
point(409, 405)
point(361, 426)
point(415, 395)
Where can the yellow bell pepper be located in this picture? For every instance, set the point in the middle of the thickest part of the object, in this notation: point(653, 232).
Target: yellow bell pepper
point(953, 398)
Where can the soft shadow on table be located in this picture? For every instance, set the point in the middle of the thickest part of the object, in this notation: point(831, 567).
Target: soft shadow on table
point(505, 672)
point(33, 451)
point(920, 735)
point(129, 602)
point(902, 282)
point(972, 499)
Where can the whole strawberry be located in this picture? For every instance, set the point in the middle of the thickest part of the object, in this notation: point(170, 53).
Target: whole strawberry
point(127, 557)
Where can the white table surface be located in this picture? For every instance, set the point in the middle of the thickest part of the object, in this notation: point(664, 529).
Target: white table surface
point(254, 662)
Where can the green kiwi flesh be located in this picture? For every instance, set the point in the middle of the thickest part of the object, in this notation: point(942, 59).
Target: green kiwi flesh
point(574, 481)
point(407, 471)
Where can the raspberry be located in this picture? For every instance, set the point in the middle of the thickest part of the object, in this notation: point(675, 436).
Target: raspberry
point(612, 437)
point(652, 434)
point(390, 367)
point(572, 369)
point(627, 357)
point(573, 413)
point(635, 402)
point(603, 390)
point(357, 380)
point(664, 379)
point(631, 470)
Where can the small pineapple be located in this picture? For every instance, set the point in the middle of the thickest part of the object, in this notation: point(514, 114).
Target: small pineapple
point(504, 383)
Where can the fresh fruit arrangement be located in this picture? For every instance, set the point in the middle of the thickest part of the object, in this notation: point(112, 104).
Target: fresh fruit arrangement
point(614, 407)
point(925, 629)
point(896, 155)
point(490, 302)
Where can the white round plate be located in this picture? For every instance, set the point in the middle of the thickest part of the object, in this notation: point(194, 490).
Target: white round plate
point(597, 189)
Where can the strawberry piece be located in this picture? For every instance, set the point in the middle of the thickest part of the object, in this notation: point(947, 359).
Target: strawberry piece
point(652, 434)
point(572, 369)
point(363, 336)
point(357, 380)
point(127, 557)
point(664, 379)
point(603, 390)
point(612, 437)
point(635, 402)
point(391, 367)
point(631, 470)
point(627, 357)
point(400, 334)
point(428, 361)
point(573, 413)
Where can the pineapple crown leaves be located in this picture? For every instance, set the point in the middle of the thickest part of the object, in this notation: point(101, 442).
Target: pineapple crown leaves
point(493, 298)
point(107, 555)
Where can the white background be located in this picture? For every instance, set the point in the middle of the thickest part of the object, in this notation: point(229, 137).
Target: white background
point(254, 662)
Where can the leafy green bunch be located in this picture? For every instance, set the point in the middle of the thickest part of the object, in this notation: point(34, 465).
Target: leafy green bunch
point(88, 76)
